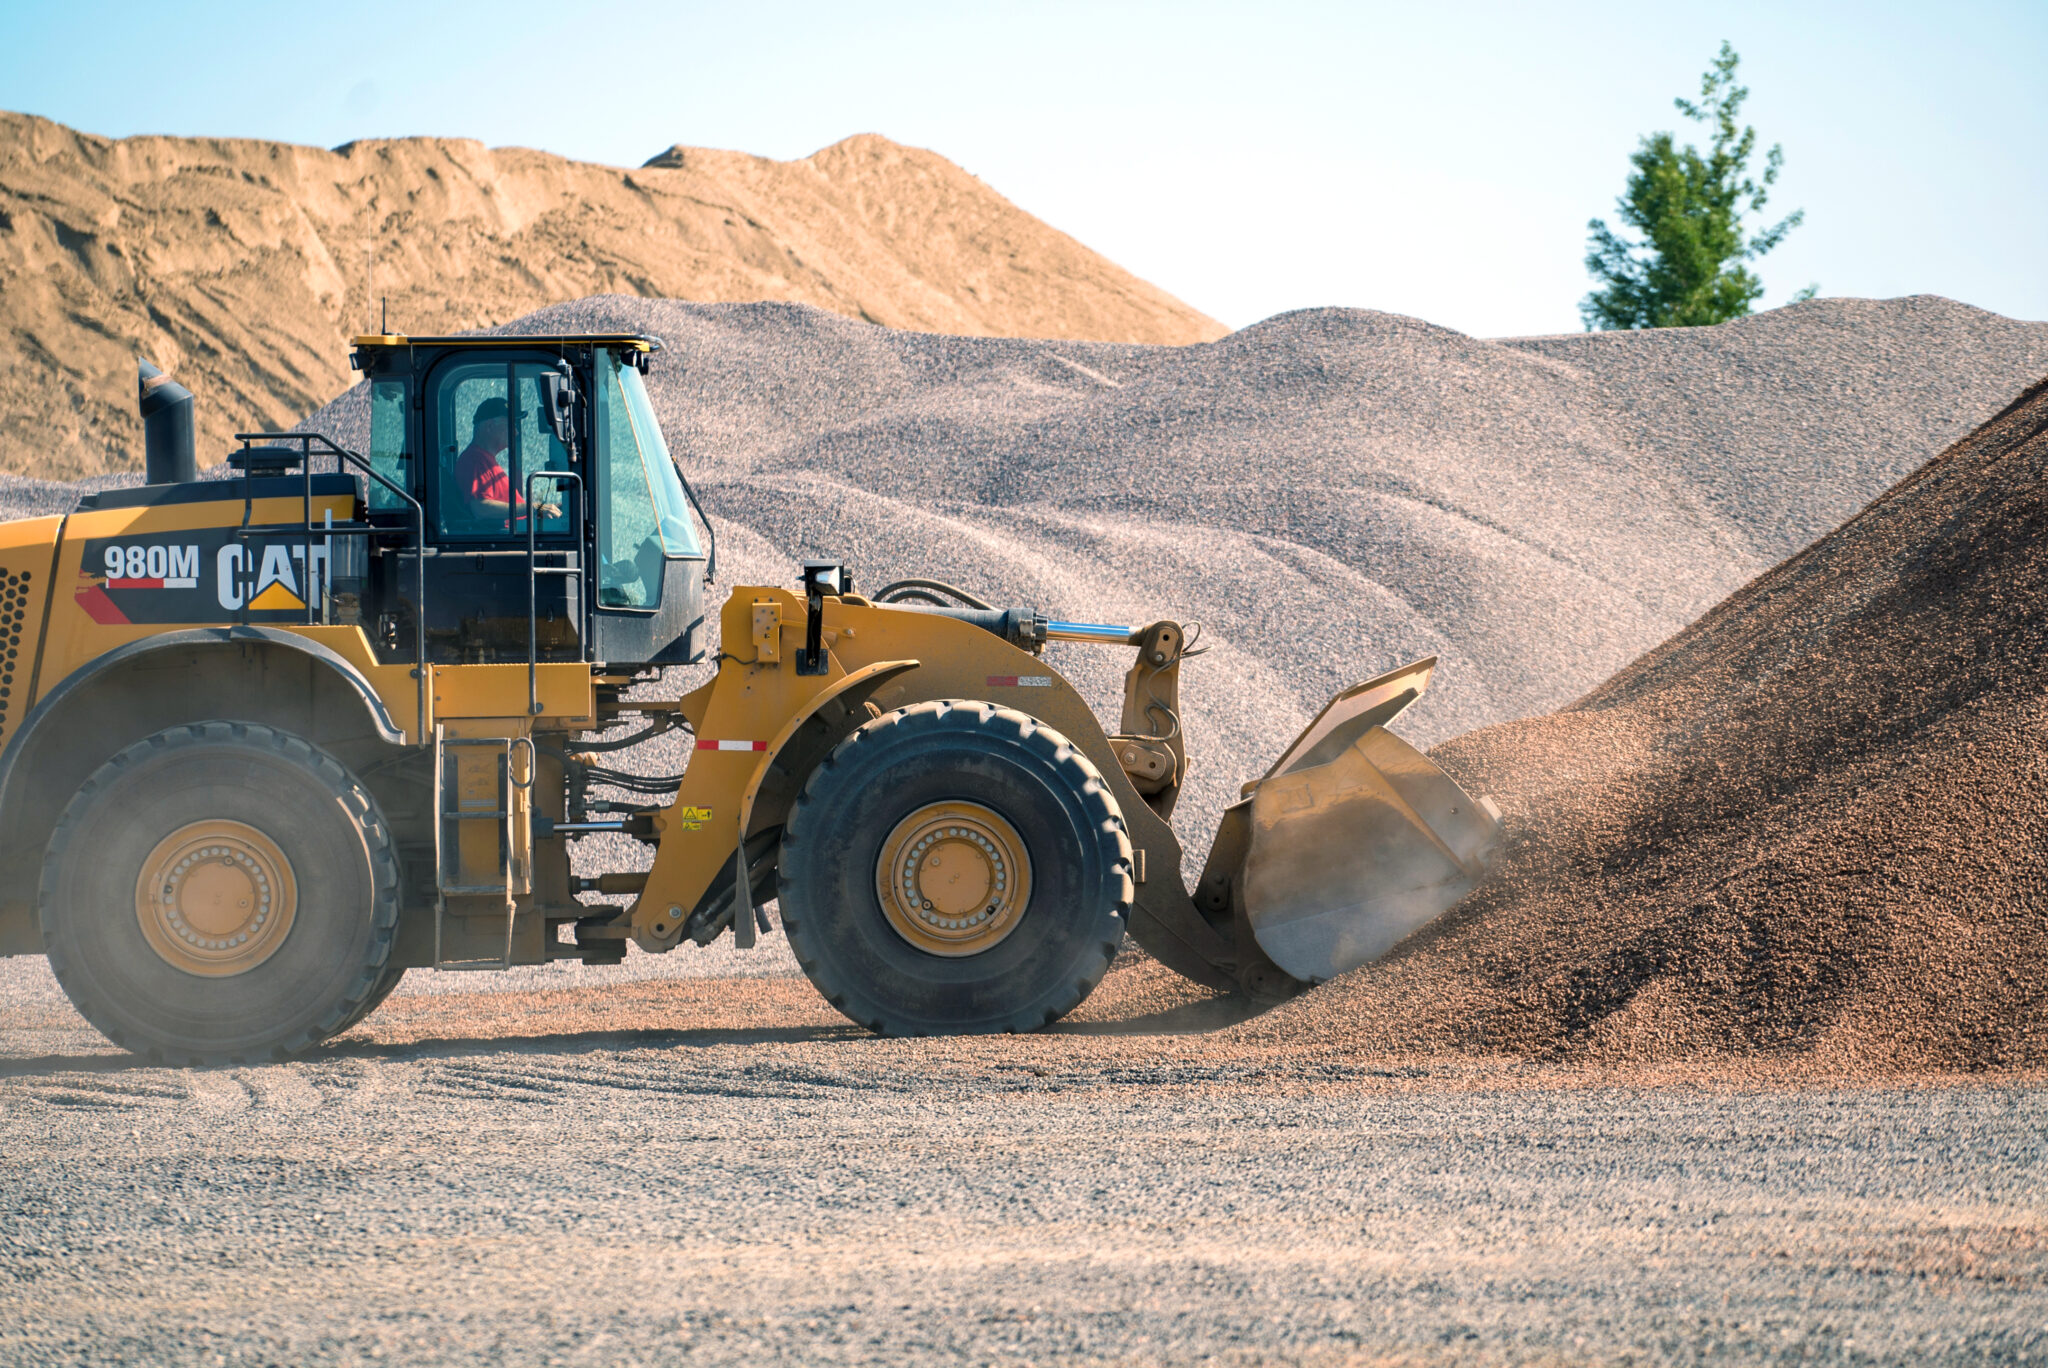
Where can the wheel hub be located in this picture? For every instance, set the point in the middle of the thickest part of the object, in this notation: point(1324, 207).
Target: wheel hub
point(216, 898)
point(953, 879)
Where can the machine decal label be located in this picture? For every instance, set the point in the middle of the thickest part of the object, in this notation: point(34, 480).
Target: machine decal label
point(204, 575)
point(92, 597)
point(732, 745)
point(692, 818)
point(152, 567)
point(264, 579)
point(1020, 681)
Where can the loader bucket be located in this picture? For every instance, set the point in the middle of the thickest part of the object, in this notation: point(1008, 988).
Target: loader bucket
point(1356, 838)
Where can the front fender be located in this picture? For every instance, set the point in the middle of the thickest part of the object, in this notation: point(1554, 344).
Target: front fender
point(791, 757)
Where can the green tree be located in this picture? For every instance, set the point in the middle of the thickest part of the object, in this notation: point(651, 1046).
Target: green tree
point(1689, 208)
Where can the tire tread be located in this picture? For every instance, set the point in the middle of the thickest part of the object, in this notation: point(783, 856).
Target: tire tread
point(1004, 726)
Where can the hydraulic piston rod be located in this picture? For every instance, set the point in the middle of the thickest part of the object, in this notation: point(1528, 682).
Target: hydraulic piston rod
point(1091, 631)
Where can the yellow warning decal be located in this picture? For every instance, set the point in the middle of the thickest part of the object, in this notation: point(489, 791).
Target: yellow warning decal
point(692, 818)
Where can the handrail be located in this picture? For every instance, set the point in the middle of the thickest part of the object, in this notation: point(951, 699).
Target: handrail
point(340, 453)
point(534, 570)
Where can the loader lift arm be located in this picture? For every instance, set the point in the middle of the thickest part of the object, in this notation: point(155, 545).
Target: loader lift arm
point(764, 728)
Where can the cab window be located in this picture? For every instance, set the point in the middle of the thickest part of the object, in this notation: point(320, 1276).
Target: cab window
point(388, 455)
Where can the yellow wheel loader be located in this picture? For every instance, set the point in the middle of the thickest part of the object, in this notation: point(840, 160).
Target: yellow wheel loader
point(274, 737)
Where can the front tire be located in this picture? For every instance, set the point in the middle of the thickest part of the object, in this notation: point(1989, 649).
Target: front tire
point(955, 867)
point(221, 892)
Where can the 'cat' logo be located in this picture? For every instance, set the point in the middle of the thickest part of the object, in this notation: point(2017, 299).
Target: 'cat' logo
point(264, 579)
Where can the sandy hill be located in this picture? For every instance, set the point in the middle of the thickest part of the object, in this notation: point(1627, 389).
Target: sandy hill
point(1329, 493)
point(242, 266)
point(1814, 823)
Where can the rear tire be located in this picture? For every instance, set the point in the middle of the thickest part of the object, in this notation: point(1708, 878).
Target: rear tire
point(221, 892)
point(1020, 811)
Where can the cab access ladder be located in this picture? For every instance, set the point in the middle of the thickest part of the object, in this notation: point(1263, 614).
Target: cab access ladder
point(448, 862)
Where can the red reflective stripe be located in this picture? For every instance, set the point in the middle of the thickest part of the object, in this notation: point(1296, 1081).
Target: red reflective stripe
point(1002, 681)
point(99, 607)
point(732, 745)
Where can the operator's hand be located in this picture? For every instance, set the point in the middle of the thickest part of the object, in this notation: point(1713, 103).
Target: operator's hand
point(549, 510)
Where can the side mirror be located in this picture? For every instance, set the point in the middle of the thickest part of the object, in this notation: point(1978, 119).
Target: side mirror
point(558, 397)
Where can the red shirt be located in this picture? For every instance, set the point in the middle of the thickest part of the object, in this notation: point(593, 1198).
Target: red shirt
point(478, 473)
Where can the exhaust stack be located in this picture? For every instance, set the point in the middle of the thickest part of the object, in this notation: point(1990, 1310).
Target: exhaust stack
point(168, 454)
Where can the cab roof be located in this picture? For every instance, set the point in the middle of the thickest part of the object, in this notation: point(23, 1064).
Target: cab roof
point(633, 341)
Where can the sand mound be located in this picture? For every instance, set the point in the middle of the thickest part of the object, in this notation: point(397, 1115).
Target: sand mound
point(1814, 823)
point(243, 266)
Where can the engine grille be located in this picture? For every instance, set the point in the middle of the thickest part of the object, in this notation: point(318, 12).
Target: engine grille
point(14, 608)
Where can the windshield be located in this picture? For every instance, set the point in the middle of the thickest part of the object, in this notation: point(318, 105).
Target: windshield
point(678, 533)
point(646, 515)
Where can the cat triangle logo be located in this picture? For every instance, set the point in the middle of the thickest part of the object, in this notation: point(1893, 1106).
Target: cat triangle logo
point(275, 599)
point(276, 586)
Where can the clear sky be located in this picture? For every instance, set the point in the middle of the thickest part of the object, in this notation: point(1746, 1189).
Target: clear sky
point(1439, 160)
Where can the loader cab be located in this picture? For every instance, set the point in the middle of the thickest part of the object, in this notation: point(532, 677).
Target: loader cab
point(541, 478)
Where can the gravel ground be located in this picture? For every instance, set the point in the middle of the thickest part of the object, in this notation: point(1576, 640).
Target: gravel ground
point(751, 1182)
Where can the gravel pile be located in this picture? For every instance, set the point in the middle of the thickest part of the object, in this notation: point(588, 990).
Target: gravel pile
point(1329, 493)
point(1815, 823)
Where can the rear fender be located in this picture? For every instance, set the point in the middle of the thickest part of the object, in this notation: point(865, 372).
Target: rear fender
point(248, 674)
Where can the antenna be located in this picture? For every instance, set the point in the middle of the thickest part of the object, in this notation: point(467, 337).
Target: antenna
point(383, 316)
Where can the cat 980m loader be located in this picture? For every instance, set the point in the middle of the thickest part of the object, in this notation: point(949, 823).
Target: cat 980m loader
point(272, 738)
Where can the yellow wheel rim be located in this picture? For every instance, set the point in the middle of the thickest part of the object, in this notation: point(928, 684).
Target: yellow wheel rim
point(953, 879)
point(216, 898)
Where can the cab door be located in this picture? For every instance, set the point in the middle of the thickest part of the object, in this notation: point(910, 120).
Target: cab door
point(485, 433)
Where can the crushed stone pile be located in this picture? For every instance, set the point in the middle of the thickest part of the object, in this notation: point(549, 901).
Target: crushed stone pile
point(1329, 494)
point(1813, 824)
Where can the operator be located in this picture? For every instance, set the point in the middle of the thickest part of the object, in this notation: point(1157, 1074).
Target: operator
point(480, 469)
